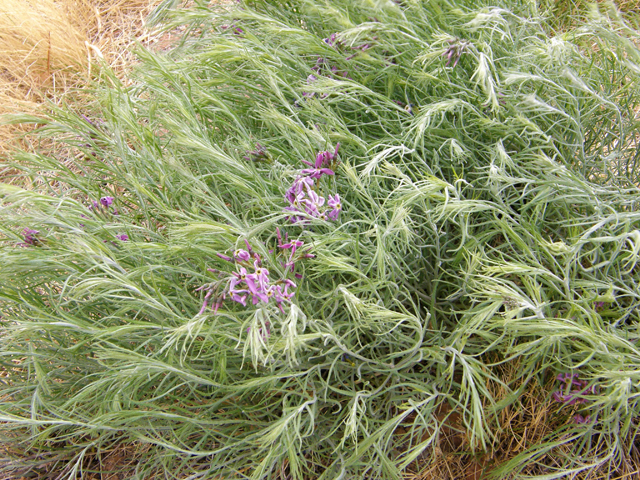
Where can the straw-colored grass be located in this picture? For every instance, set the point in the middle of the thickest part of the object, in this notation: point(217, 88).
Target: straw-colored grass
point(51, 47)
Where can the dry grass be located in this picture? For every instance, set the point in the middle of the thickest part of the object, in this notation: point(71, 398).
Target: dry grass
point(523, 425)
point(51, 47)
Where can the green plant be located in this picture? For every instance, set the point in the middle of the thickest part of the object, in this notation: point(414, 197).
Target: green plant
point(488, 194)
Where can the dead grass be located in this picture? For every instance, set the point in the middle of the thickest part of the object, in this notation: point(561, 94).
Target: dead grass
point(51, 47)
point(522, 426)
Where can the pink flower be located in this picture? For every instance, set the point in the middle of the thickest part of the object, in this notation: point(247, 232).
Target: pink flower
point(336, 206)
point(579, 419)
point(261, 275)
point(293, 245)
point(241, 255)
point(299, 187)
point(319, 168)
point(106, 201)
point(241, 299)
point(224, 257)
point(312, 204)
point(248, 278)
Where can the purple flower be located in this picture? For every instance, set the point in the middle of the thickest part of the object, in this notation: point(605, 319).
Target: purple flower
point(30, 237)
point(319, 168)
point(106, 201)
point(124, 237)
point(573, 389)
point(313, 203)
point(247, 278)
point(224, 257)
point(259, 154)
point(261, 275)
point(336, 206)
point(580, 420)
point(332, 39)
point(281, 294)
point(236, 294)
point(300, 186)
point(241, 299)
point(241, 255)
point(293, 245)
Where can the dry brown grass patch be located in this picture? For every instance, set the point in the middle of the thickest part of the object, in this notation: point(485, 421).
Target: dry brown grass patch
point(526, 424)
point(51, 47)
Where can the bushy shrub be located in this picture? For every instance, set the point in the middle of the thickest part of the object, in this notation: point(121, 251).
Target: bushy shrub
point(300, 242)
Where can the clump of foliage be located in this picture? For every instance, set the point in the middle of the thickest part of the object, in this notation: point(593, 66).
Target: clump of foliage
point(215, 283)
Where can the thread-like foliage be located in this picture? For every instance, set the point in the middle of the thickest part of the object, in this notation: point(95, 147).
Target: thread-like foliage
point(484, 210)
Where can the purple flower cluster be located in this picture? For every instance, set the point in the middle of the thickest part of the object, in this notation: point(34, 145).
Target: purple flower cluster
point(573, 387)
point(332, 40)
point(571, 391)
point(295, 255)
point(303, 196)
point(580, 420)
point(335, 42)
point(322, 65)
point(31, 237)
point(103, 205)
point(251, 280)
point(257, 155)
point(310, 79)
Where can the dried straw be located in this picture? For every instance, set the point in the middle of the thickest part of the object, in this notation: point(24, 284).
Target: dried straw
point(51, 47)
